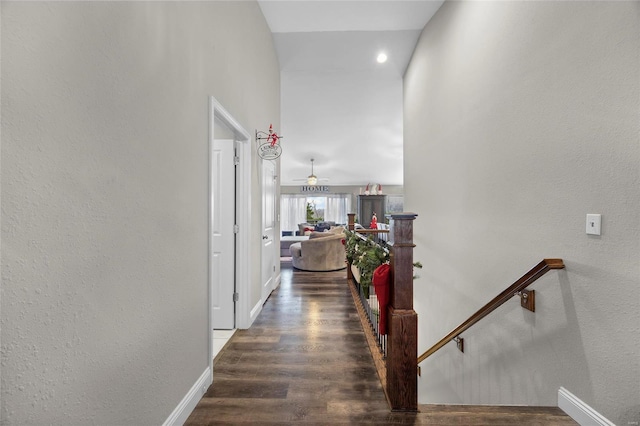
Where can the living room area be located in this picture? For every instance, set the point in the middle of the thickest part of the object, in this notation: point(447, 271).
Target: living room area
point(309, 213)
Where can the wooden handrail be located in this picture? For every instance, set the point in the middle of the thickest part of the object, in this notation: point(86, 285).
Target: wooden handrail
point(371, 231)
point(526, 280)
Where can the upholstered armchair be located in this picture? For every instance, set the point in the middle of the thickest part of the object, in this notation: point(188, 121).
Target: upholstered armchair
point(323, 251)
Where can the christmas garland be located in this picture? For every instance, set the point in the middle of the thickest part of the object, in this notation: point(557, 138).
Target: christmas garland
point(367, 255)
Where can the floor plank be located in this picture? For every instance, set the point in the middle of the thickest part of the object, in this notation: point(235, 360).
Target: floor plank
point(306, 361)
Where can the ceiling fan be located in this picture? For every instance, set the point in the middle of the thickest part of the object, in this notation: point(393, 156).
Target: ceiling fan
point(312, 179)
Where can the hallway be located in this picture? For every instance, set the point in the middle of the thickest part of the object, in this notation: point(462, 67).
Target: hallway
point(306, 360)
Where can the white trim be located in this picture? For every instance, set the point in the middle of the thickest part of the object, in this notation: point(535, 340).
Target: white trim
point(579, 411)
point(256, 310)
point(243, 207)
point(279, 277)
point(181, 413)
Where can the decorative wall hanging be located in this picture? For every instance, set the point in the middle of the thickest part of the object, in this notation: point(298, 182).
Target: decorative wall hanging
point(268, 144)
point(315, 188)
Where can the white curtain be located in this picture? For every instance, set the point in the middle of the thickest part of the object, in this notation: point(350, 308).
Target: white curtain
point(337, 208)
point(293, 210)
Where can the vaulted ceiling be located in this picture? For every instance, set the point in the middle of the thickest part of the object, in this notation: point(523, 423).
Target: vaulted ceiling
point(339, 105)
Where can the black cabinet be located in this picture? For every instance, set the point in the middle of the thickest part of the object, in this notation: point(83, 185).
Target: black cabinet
point(367, 205)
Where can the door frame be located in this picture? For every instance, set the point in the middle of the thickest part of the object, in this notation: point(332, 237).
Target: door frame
point(243, 218)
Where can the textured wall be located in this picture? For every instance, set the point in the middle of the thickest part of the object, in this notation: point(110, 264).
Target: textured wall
point(104, 198)
point(521, 118)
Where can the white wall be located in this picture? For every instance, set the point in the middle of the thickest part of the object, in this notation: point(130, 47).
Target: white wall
point(104, 198)
point(521, 118)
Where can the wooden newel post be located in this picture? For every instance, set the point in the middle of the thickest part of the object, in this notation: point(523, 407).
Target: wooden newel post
point(351, 225)
point(402, 367)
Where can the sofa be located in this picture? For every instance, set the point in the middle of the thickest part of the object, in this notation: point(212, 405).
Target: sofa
point(324, 226)
point(323, 251)
point(306, 228)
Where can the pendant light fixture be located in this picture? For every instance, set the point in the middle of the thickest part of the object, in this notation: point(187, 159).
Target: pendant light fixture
point(312, 179)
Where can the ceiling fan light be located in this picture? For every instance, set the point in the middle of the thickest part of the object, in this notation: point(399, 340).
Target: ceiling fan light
point(312, 180)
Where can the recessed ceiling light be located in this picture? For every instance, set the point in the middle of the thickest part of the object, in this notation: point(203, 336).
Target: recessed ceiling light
point(382, 58)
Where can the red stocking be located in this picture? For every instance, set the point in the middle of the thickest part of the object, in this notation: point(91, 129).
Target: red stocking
point(382, 282)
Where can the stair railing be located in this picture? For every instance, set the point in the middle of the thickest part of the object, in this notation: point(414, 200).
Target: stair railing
point(527, 301)
point(400, 381)
point(370, 303)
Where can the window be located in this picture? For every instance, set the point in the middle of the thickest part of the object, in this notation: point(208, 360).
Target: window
point(328, 208)
point(315, 208)
point(395, 203)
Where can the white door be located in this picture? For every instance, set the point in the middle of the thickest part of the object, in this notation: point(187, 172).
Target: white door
point(268, 227)
point(223, 237)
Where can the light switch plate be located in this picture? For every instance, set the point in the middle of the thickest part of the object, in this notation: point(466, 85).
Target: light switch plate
point(594, 222)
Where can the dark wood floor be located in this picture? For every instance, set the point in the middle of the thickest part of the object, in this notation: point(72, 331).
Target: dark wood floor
point(306, 360)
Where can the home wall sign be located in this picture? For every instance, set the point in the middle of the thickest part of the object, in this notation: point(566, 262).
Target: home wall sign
point(268, 144)
point(314, 188)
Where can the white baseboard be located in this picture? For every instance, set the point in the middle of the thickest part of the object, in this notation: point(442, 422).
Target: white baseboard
point(181, 413)
point(579, 411)
point(255, 312)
